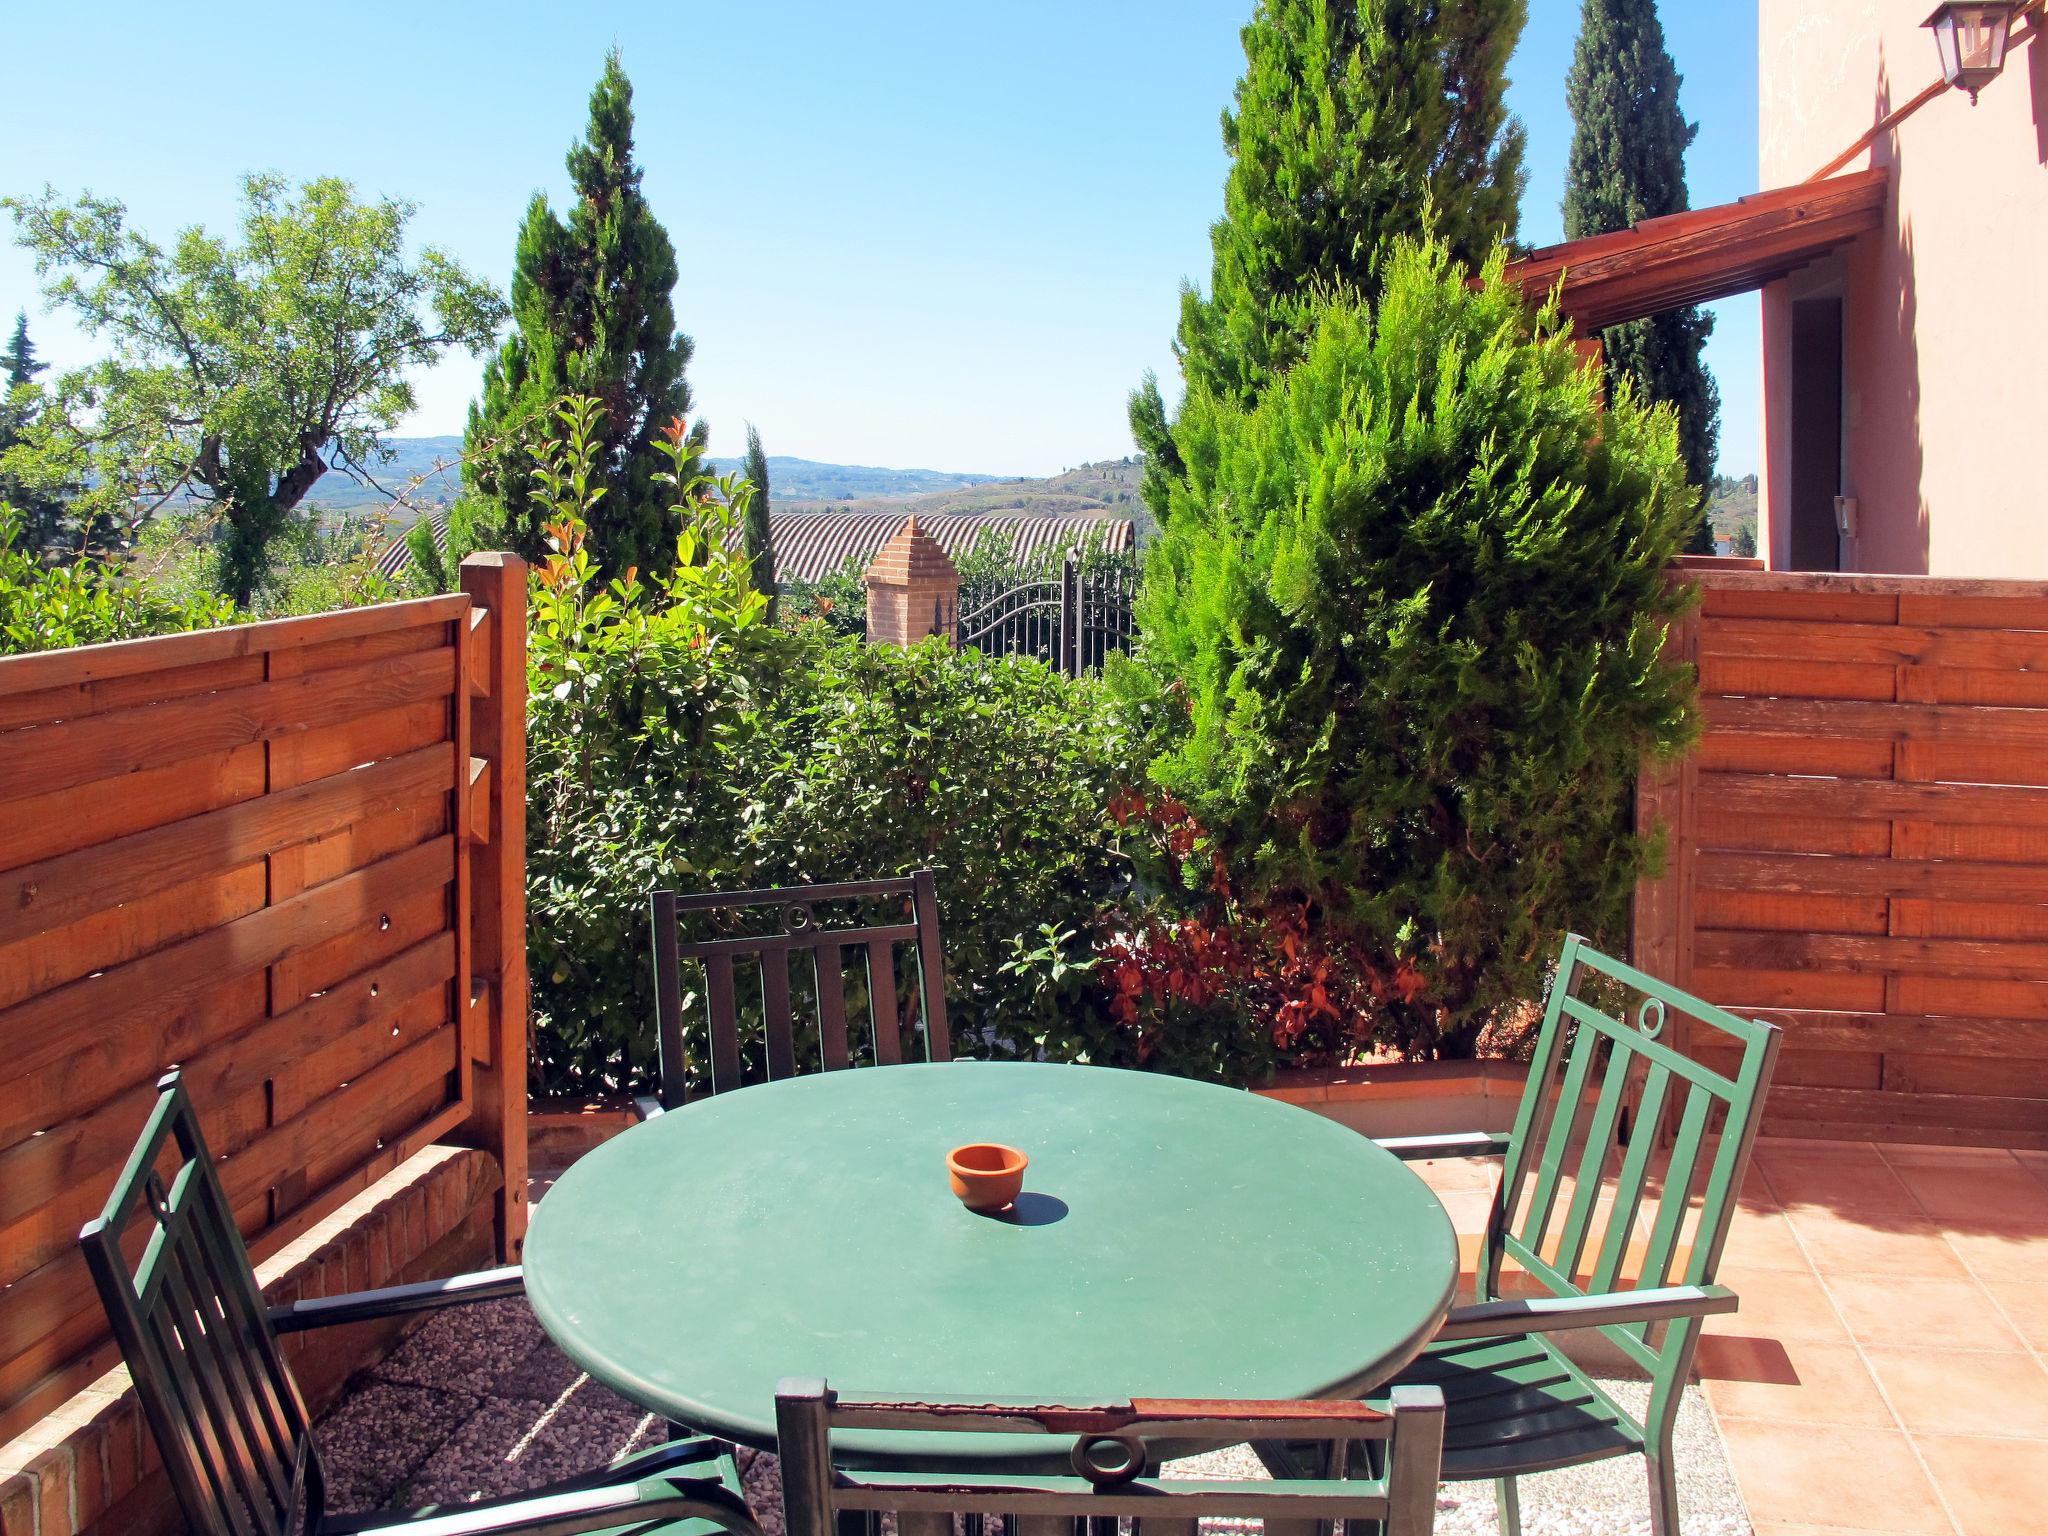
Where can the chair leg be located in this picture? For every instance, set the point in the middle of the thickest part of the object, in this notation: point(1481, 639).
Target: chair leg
point(1663, 1496)
point(1507, 1502)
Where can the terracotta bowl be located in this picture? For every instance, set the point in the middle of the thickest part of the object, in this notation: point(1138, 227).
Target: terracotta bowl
point(986, 1175)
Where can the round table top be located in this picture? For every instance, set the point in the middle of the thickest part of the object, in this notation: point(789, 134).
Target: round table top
point(1175, 1239)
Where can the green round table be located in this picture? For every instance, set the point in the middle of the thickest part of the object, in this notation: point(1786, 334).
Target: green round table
point(1175, 1239)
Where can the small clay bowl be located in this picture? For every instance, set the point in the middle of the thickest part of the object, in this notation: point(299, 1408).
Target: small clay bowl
point(986, 1175)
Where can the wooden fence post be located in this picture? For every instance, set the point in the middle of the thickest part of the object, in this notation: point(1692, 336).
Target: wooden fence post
point(496, 695)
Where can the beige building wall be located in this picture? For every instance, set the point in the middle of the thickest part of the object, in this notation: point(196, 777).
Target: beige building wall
point(1945, 307)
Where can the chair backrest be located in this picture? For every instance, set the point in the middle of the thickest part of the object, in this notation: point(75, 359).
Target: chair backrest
point(760, 931)
point(195, 1333)
point(1589, 1200)
point(1393, 1482)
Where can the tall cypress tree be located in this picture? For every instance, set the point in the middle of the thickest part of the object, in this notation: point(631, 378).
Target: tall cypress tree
point(1356, 120)
point(42, 515)
point(1628, 164)
point(760, 547)
point(593, 314)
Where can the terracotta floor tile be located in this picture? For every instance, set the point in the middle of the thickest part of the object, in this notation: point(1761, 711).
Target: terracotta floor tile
point(1799, 1381)
point(1443, 1173)
point(1953, 1314)
point(1864, 1477)
point(1993, 1257)
point(1777, 1304)
point(2026, 1307)
point(1961, 1392)
point(1874, 1243)
point(1762, 1240)
point(1995, 1487)
point(1851, 1179)
point(1467, 1208)
point(1901, 1154)
point(2002, 1198)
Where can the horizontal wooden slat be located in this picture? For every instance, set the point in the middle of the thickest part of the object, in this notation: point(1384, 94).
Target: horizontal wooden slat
point(77, 701)
point(83, 1146)
point(116, 935)
point(129, 740)
point(1787, 834)
point(1789, 752)
point(38, 826)
point(72, 1030)
point(1728, 596)
point(2007, 961)
point(1883, 722)
point(1743, 990)
point(1823, 1030)
point(125, 658)
point(1884, 1113)
point(1747, 794)
point(1805, 874)
point(44, 896)
point(1796, 679)
point(2002, 1078)
point(1732, 905)
point(1895, 644)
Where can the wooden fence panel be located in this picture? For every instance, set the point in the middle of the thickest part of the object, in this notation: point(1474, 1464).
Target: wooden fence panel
point(247, 853)
point(1858, 849)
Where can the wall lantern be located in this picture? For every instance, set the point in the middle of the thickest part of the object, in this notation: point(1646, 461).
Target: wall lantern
point(1972, 38)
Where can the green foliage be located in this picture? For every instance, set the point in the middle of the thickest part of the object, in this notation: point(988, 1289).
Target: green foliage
point(1628, 164)
point(838, 600)
point(760, 546)
point(1401, 645)
point(239, 371)
point(315, 565)
point(593, 315)
point(44, 607)
point(1356, 121)
point(41, 512)
point(676, 738)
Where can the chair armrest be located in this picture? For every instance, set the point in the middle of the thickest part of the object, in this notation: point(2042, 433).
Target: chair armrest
point(639, 1505)
point(646, 1106)
point(1547, 1314)
point(395, 1300)
point(1458, 1144)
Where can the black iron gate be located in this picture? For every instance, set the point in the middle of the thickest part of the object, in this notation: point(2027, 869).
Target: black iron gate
point(1071, 621)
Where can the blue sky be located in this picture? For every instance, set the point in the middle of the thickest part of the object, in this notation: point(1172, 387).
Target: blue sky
point(937, 233)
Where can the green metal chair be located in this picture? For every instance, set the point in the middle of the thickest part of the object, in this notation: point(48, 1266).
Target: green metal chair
point(1515, 1402)
point(1383, 1466)
point(228, 1416)
point(785, 923)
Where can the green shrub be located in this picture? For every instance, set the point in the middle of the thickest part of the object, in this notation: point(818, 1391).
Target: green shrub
point(43, 607)
point(1401, 640)
point(801, 755)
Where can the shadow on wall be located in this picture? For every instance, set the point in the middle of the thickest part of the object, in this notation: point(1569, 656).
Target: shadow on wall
point(2037, 90)
point(1897, 387)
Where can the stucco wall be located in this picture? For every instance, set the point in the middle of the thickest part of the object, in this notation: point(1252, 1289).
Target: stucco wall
point(1946, 312)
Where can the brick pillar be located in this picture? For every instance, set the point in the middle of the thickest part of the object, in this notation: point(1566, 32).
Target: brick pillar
point(913, 589)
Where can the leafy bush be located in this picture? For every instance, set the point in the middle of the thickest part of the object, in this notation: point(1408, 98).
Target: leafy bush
point(1402, 655)
point(44, 606)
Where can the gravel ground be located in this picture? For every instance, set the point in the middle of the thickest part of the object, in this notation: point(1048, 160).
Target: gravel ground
point(478, 1403)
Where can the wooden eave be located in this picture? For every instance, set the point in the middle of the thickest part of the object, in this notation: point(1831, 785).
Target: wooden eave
point(1704, 253)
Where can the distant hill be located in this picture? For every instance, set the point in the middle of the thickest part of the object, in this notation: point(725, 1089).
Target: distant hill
point(1731, 505)
point(425, 470)
point(1107, 488)
point(797, 480)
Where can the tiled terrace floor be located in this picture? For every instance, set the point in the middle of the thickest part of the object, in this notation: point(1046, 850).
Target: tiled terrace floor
point(1886, 1372)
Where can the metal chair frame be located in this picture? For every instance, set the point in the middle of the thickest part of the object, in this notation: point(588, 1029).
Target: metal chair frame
point(227, 1414)
point(1388, 1489)
point(799, 934)
point(1516, 1402)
